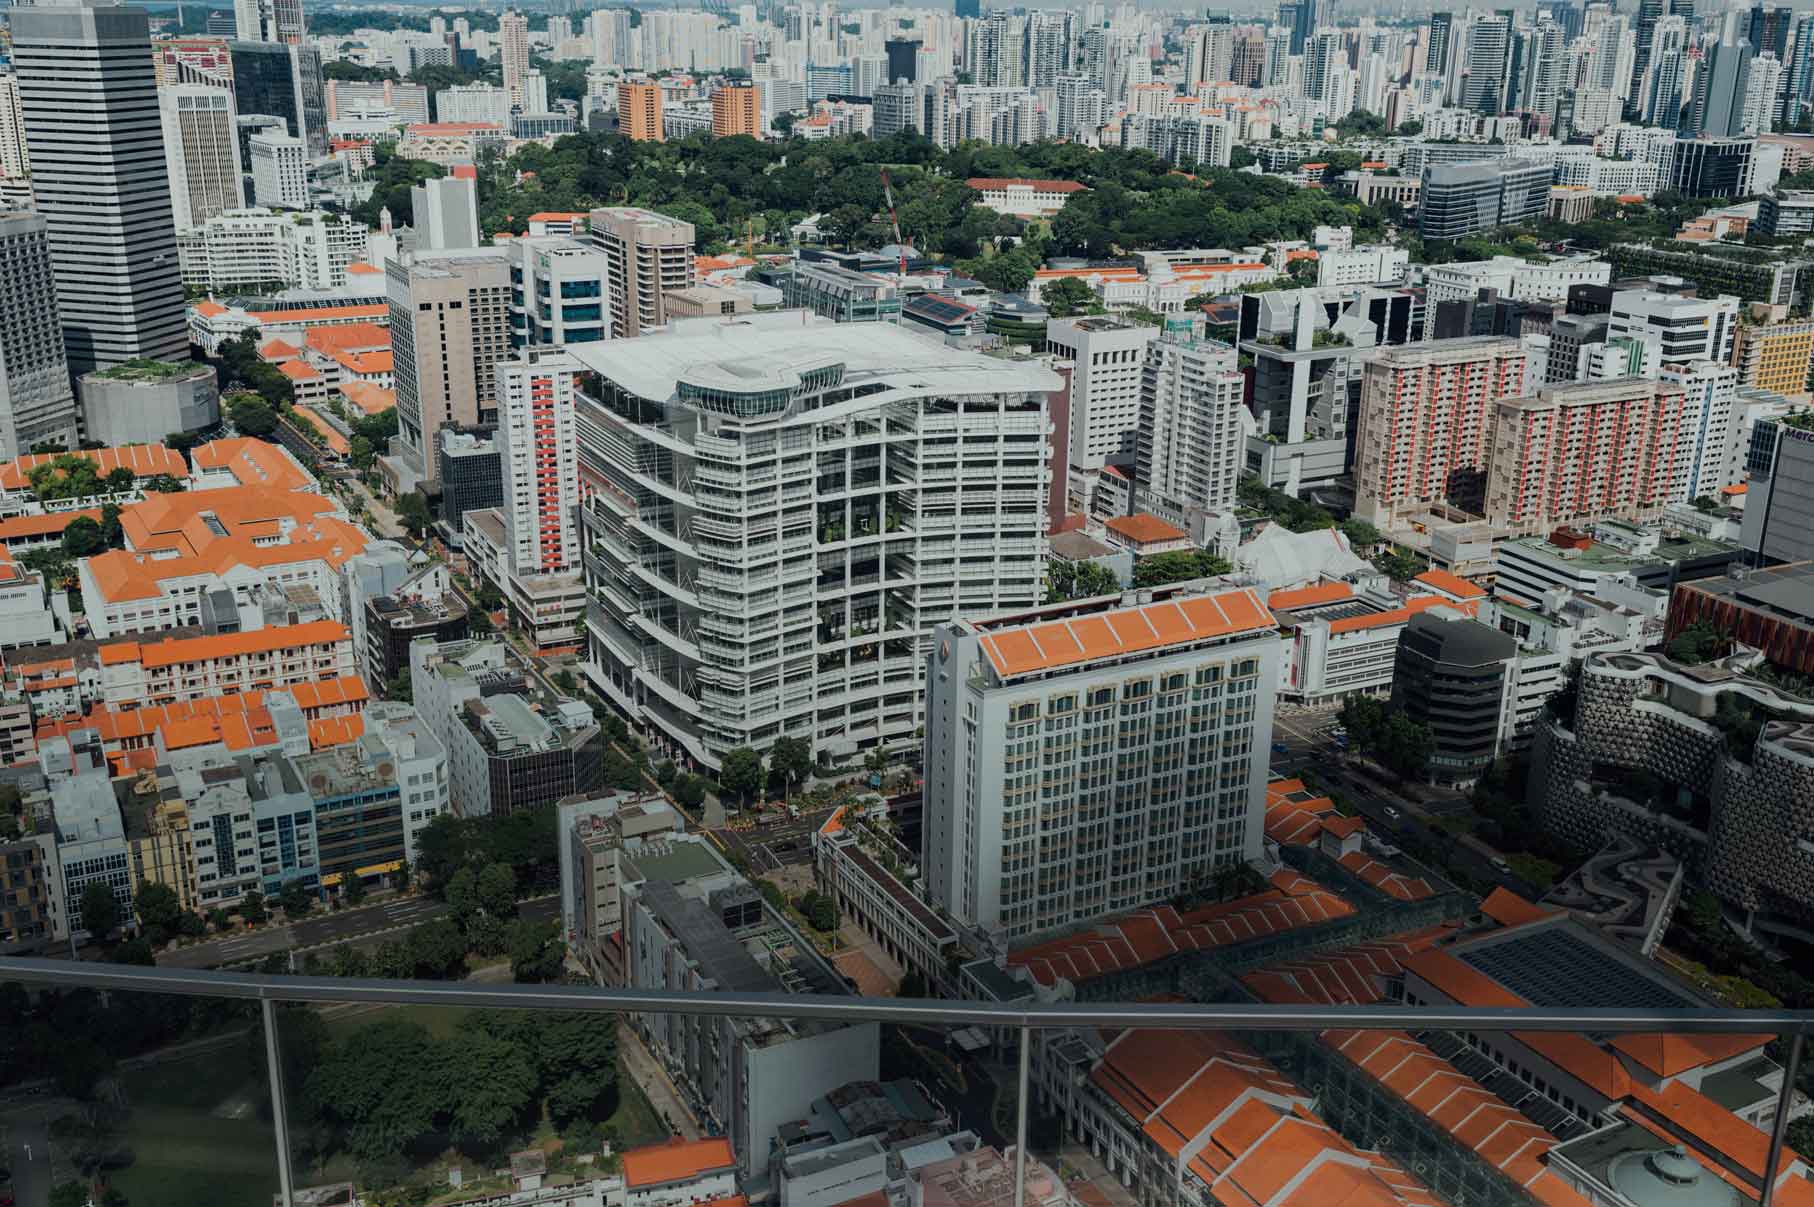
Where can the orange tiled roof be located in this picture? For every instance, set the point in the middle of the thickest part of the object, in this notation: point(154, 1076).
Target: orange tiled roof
point(297, 371)
point(675, 1161)
point(1351, 976)
point(278, 350)
point(1451, 584)
point(144, 460)
point(1305, 597)
point(252, 462)
point(555, 216)
point(329, 693)
point(322, 314)
point(1295, 822)
point(367, 364)
point(20, 527)
point(174, 650)
point(368, 396)
point(1414, 605)
point(1507, 908)
point(1044, 645)
point(1464, 985)
point(1672, 1055)
point(1384, 877)
point(179, 522)
point(336, 731)
point(981, 183)
point(210, 308)
point(1145, 528)
point(348, 337)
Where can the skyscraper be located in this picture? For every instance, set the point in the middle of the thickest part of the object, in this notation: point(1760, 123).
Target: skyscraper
point(1488, 65)
point(1049, 37)
point(1798, 72)
point(1719, 91)
point(1768, 31)
point(651, 256)
point(450, 326)
point(1301, 18)
point(903, 60)
point(735, 110)
point(1660, 102)
point(92, 129)
point(37, 405)
point(513, 50)
point(538, 450)
point(1442, 30)
point(282, 81)
point(201, 151)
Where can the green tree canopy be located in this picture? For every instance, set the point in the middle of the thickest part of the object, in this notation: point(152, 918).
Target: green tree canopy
point(1160, 568)
point(1068, 296)
point(741, 773)
point(100, 909)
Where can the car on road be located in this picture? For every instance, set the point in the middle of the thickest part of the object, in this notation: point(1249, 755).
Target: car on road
point(1500, 865)
point(1392, 814)
point(786, 844)
point(1280, 748)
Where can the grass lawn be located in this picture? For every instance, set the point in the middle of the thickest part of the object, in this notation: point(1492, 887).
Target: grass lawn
point(1539, 872)
point(634, 1122)
point(439, 1021)
point(183, 1151)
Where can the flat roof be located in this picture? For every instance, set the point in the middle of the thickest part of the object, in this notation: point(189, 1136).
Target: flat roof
point(1557, 966)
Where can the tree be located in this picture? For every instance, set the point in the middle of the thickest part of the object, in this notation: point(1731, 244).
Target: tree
point(1364, 717)
point(791, 758)
point(578, 1054)
point(252, 908)
point(361, 453)
point(383, 1087)
point(1405, 746)
point(820, 909)
point(690, 790)
point(83, 538)
point(1410, 129)
point(100, 909)
point(10, 830)
point(252, 415)
point(413, 510)
point(296, 900)
point(741, 773)
point(400, 687)
point(1696, 643)
point(436, 951)
point(1078, 580)
point(75, 1194)
point(133, 951)
point(352, 888)
point(497, 890)
point(1068, 296)
point(1800, 1135)
point(462, 895)
point(1360, 533)
point(536, 951)
point(491, 1081)
point(159, 909)
point(1180, 566)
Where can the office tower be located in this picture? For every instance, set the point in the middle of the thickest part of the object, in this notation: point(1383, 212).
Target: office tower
point(280, 171)
point(513, 51)
point(1719, 92)
point(730, 611)
point(538, 451)
point(1039, 816)
point(1660, 102)
point(201, 152)
point(445, 213)
point(450, 326)
point(97, 159)
point(639, 110)
point(1488, 65)
point(1457, 679)
point(1573, 454)
point(1798, 73)
point(1649, 12)
point(1465, 198)
point(1108, 361)
point(473, 103)
point(1247, 57)
point(903, 60)
point(1301, 18)
point(1544, 73)
point(1713, 167)
point(968, 8)
point(534, 92)
point(282, 81)
point(651, 256)
point(248, 20)
point(1442, 32)
point(1768, 31)
point(1426, 422)
point(558, 287)
point(1688, 329)
point(1709, 425)
point(735, 110)
point(898, 107)
point(15, 164)
point(37, 405)
point(1189, 443)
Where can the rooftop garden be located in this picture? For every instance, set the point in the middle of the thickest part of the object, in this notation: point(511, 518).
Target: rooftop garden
point(145, 369)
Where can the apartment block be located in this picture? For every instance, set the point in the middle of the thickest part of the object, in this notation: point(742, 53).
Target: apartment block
point(1578, 453)
point(280, 170)
point(1426, 422)
point(37, 404)
point(558, 288)
point(778, 515)
point(639, 110)
point(736, 109)
point(1709, 425)
point(1775, 356)
point(649, 255)
point(1108, 359)
point(450, 326)
point(281, 657)
point(233, 250)
point(1189, 444)
point(31, 894)
point(1086, 761)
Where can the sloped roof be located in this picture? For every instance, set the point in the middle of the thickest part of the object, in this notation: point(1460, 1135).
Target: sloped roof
point(1280, 558)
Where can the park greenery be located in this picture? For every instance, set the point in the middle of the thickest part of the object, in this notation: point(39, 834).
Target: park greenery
point(1399, 744)
point(1158, 569)
point(1078, 580)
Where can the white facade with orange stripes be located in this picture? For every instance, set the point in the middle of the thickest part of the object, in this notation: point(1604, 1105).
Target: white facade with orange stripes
point(281, 657)
point(1090, 763)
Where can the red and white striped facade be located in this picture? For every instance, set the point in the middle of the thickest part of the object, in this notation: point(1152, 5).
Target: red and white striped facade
point(539, 449)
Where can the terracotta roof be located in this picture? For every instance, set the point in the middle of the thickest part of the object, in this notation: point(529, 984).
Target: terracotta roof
point(368, 396)
point(981, 183)
point(278, 350)
point(172, 651)
point(1507, 908)
point(348, 337)
point(361, 268)
point(323, 314)
point(1145, 528)
point(676, 1161)
point(209, 308)
point(366, 364)
point(1672, 1055)
point(1304, 597)
point(319, 694)
point(336, 442)
point(428, 129)
point(252, 462)
point(144, 460)
point(1384, 877)
point(336, 731)
point(835, 823)
point(20, 527)
point(1710, 1127)
point(121, 575)
point(1295, 822)
point(1451, 584)
point(1377, 620)
point(298, 371)
point(555, 216)
point(1354, 976)
point(1046, 645)
point(1463, 985)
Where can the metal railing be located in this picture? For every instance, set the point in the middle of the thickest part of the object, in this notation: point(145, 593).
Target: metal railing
point(1791, 1026)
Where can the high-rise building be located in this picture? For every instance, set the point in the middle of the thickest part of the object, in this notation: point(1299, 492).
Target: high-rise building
point(445, 213)
point(1660, 100)
point(1688, 328)
point(1573, 454)
point(558, 288)
point(639, 110)
point(1426, 422)
point(37, 405)
point(1465, 198)
point(733, 610)
point(1761, 94)
point(201, 152)
point(93, 132)
point(1456, 677)
point(1544, 72)
point(1709, 424)
point(651, 256)
point(1050, 36)
point(282, 81)
point(903, 60)
point(513, 51)
point(1488, 65)
point(1325, 62)
point(1442, 33)
point(1798, 73)
point(1720, 86)
point(280, 171)
point(15, 163)
point(538, 453)
point(1713, 167)
point(450, 326)
point(736, 110)
point(1301, 17)
point(1768, 31)
point(1108, 359)
point(1088, 760)
point(1189, 442)
point(1776, 356)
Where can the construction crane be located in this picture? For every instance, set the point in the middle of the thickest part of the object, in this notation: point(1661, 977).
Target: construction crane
point(894, 220)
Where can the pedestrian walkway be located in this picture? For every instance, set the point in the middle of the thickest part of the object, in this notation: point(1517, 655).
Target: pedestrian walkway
point(663, 1095)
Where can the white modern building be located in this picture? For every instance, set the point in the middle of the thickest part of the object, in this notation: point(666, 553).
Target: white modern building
point(280, 170)
point(1362, 265)
point(1709, 425)
point(1689, 328)
point(37, 405)
point(201, 152)
point(1514, 278)
point(250, 248)
point(1108, 361)
point(779, 511)
point(445, 213)
point(1190, 439)
point(1087, 760)
point(559, 292)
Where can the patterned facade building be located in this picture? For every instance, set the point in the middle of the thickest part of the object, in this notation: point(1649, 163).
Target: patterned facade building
point(1735, 760)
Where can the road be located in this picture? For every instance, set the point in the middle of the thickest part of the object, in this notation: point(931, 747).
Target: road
point(27, 1128)
point(329, 930)
point(1309, 747)
point(778, 844)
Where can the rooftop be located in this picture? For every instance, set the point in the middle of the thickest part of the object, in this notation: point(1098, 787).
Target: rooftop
point(1084, 638)
point(147, 371)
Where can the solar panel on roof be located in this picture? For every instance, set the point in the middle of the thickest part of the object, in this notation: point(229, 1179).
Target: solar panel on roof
point(1553, 967)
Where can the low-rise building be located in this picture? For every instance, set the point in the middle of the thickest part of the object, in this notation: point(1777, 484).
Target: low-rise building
point(142, 402)
point(1024, 198)
point(393, 622)
point(600, 840)
point(868, 874)
point(1457, 678)
point(373, 797)
point(1785, 214)
point(1587, 562)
